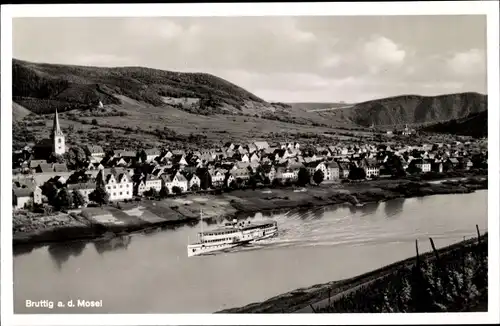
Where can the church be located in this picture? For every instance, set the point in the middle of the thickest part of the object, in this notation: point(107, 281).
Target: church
point(55, 144)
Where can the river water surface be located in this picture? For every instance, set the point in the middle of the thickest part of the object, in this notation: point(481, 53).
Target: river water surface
point(150, 273)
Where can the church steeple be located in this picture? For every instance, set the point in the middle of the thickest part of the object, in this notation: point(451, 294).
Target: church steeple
point(56, 128)
point(59, 146)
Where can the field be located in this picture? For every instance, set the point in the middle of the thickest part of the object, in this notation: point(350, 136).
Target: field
point(138, 124)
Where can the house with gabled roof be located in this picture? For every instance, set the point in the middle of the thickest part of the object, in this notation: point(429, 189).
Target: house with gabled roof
point(314, 166)
point(192, 180)
point(95, 152)
point(34, 164)
point(176, 179)
point(218, 176)
point(261, 145)
point(152, 182)
point(44, 168)
point(344, 169)
point(150, 154)
point(284, 173)
point(179, 159)
point(84, 188)
point(251, 148)
point(242, 174)
point(60, 167)
point(119, 186)
point(332, 171)
point(23, 195)
point(371, 167)
point(254, 157)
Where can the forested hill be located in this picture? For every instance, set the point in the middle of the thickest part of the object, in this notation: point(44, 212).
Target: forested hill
point(41, 88)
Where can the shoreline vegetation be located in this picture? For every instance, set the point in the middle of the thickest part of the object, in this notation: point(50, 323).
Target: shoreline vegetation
point(184, 210)
point(451, 279)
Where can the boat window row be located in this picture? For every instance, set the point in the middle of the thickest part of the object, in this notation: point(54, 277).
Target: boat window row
point(217, 240)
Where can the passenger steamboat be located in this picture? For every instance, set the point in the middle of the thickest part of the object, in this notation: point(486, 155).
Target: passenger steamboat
point(232, 234)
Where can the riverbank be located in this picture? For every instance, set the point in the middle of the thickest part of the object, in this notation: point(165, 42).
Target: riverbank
point(456, 278)
point(124, 218)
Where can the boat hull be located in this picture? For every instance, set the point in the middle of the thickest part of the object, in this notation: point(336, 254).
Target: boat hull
point(198, 250)
point(221, 240)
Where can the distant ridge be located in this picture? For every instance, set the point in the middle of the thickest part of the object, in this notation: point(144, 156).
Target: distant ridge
point(412, 109)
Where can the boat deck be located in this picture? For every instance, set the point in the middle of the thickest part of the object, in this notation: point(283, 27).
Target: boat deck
point(234, 229)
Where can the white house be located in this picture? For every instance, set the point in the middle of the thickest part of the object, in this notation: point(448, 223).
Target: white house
point(151, 154)
point(25, 195)
point(423, 165)
point(96, 153)
point(218, 177)
point(119, 187)
point(174, 180)
point(193, 180)
point(152, 182)
point(314, 166)
point(261, 145)
point(332, 171)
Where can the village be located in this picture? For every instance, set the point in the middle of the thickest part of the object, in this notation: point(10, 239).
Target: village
point(81, 176)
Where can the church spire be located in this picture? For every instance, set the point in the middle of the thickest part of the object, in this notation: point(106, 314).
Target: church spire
point(56, 128)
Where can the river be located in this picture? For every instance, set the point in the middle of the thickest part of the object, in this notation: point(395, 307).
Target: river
point(150, 273)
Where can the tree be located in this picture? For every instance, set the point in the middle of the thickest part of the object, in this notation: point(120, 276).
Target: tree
point(76, 157)
point(233, 184)
point(78, 177)
point(63, 199)
point(50, 191)
point(357, 174)
point(99, 196)
point(14, 198)
point(266, 180)
point(195, 187)
point(277, 183)
point(413, 169)
point(164, 192)
point(205, 178)
point(252, 182)
point(78, 199)
point(176, 190)
point(94, 122)
point(151, 193)
point(303, 177)
point(55, 158)
point(394, 166)
point(318, 177)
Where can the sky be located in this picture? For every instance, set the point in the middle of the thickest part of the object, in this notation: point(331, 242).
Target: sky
point(286, 59)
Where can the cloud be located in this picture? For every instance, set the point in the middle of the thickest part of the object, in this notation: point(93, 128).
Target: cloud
point(381, 52)
point(278, 58)
point(467, 63)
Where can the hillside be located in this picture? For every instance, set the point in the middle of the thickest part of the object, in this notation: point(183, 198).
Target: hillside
point(19, 112)
point(412, 109)
point(43, 87)
point(474, 124)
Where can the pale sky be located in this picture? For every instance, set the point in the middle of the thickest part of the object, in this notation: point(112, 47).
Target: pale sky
point(288, 59)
